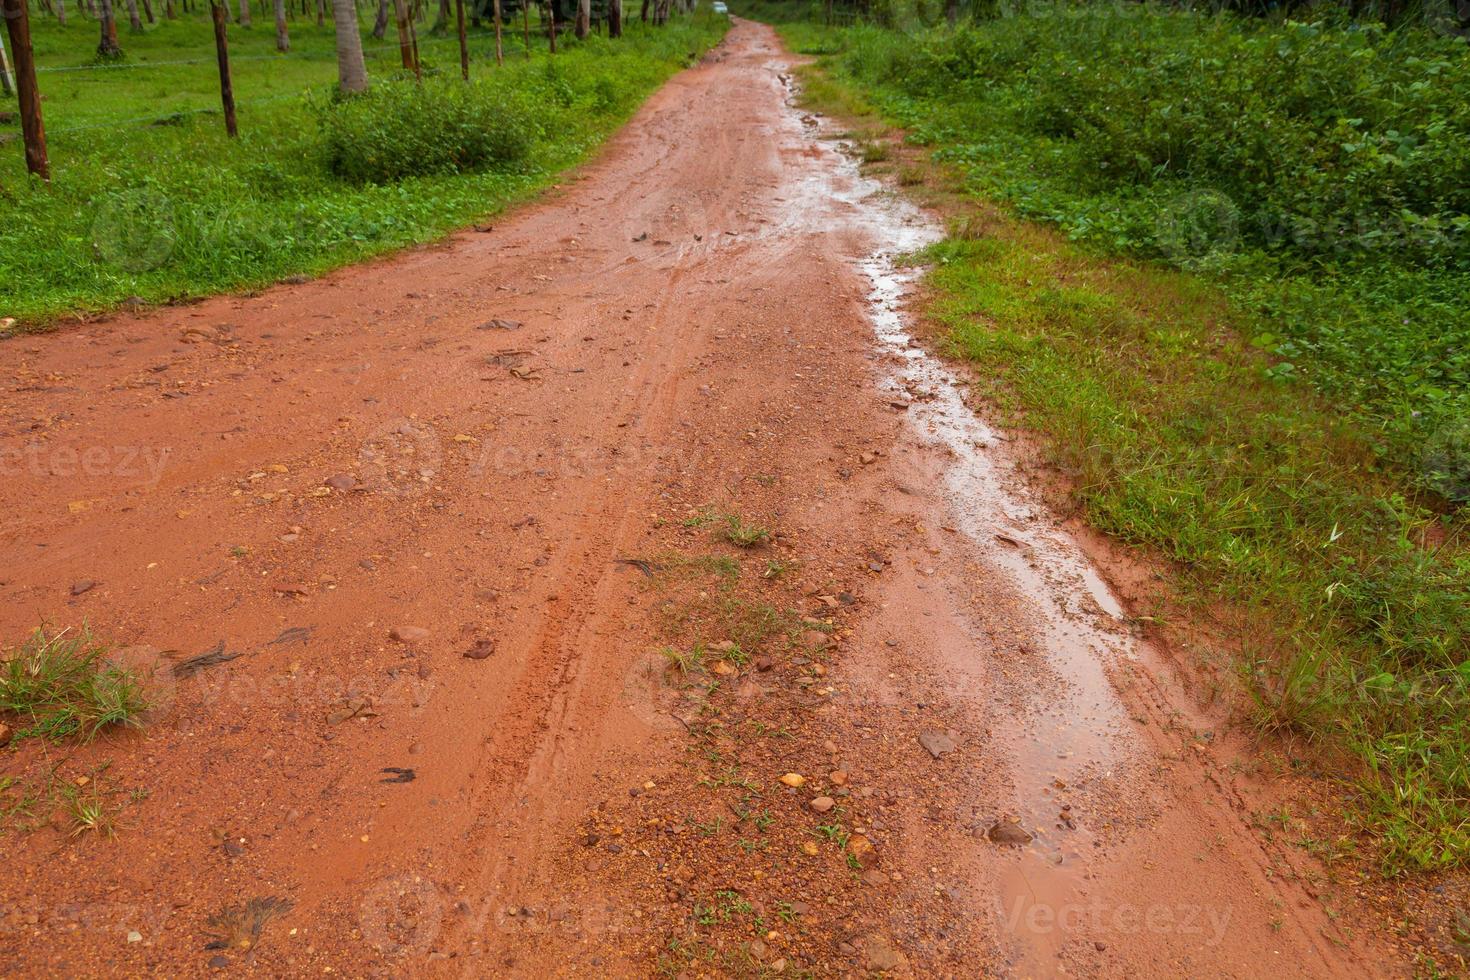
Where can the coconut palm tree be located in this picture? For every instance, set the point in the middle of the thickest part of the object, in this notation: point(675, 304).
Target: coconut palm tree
point(351, 71)
point(108, 46)
point(283, 37)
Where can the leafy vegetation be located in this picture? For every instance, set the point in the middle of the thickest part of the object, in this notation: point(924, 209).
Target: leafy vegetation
point(149, 198)
point(1284, 412)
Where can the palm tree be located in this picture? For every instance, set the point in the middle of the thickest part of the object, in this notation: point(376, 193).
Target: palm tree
point(351, 71)
point(283, 38)
point(108, 46)
point(584, 18)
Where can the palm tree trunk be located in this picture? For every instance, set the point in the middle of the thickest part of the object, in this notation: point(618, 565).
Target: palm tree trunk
point(584, 18)
point(134, 23)
point(148, 12)
point(108, 46)
point(614, 18)
point(61, 12)
point(7, 84)
point(351, 71)
point(499, 55)
point(380, 26)
point(283, 37)
point(244, 13)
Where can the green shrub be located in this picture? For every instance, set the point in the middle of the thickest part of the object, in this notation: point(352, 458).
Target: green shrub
point(405, 129)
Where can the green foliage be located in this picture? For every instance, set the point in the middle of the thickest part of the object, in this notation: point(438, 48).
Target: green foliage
point(406, 129)
point(62, 686)
point(1317, 172)
point(150, 199)
point(1296, 446)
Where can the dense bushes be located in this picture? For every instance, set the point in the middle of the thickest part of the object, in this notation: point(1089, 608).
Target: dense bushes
point(405, 129)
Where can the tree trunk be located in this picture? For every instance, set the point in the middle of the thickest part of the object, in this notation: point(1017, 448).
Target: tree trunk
point(134, 23)
point(643, 14)
point(441, 19)
point(61, 12)
point(614, 18)
point(108, 46)
point(17, 17)
point(351, 71)
point(464, 50)
point(244, 20)
point(405, 46)
point(551, 12)
point(148, 12)
point(321, 12)
point(283, 37)
point(584, 18)
point(221, 17)
point(380, 26)
point(499, 54)
point(7, 84)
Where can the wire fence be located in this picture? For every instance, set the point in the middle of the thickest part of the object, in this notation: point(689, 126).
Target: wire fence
point(173, 117)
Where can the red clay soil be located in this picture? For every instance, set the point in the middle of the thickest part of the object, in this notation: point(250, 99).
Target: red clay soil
point(443, 512)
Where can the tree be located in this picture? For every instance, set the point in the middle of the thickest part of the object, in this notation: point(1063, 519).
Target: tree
point(244, 20)
point(108, 46)
point(614, 18)
point(283, 38)
point(351, 71)
point(134, 24)
point(380, 26)
point(583, 22)
point(7, 85)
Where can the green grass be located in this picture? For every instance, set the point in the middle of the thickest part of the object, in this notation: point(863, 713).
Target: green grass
point(1283, 421)
point(62, 686)
point(150, 198)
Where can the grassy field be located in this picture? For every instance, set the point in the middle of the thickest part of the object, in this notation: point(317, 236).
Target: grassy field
point(1283, 415)
point(150, 198)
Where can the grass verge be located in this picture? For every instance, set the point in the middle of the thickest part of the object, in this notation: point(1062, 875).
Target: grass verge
point(150, 200)
point(1346, 577)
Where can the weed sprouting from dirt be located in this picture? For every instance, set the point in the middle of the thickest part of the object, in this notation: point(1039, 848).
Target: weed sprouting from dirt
point(62, 686)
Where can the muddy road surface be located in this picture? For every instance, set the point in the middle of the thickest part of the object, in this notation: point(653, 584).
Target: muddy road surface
point(615, 590)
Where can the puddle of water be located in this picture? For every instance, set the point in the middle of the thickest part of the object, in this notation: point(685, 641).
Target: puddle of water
point(1081, 730)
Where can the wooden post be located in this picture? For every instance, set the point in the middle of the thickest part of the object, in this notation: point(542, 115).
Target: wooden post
point(405, 46)
point(222, 49)
point(464, 48)
point(499, 55)
point(33, 129)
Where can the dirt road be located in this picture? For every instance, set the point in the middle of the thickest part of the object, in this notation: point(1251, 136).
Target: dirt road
point(438, 516)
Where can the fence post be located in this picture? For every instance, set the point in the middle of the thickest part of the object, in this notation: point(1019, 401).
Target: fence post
point(33, 129)
point(222, 49)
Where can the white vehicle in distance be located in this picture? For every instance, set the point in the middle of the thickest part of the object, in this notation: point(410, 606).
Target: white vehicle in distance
point(720, 8)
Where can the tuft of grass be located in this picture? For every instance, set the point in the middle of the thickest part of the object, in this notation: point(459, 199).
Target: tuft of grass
point(62, 686)
point(686, 663)
point(745, 535)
